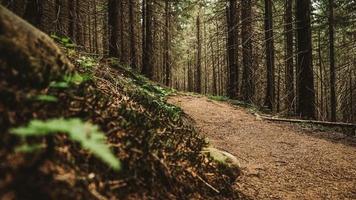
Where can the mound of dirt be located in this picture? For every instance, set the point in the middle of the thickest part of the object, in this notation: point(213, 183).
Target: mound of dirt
point(157, 145)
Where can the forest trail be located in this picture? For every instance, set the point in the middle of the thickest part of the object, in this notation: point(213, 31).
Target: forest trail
point(278, 160)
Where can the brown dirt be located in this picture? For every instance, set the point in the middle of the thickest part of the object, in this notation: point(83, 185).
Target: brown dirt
point(278, 160)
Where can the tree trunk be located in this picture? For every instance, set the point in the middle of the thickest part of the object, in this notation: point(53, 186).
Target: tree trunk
point(133, 62)
point(332, 61)
point(306, 99)
point(148, 51)
point(289, 79)
point(113, 9)
point(167, 44)
point(232, 45)
point(247, 88)
point(321, 76)
point(270, 94)
point(198, 61)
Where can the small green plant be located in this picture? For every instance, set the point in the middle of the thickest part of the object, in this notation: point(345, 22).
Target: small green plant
point(68, 80)
point(86, 62)
point(86, 134)
point(65, 41)
point(46, 98)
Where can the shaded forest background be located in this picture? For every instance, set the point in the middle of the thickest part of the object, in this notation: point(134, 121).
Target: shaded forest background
point(290, 57)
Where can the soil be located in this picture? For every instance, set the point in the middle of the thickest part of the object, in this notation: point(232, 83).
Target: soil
point(278, 160)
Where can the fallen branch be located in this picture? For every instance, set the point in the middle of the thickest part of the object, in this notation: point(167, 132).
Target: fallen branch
point(324, 123)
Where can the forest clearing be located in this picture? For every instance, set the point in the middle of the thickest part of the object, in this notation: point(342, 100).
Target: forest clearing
point(177, 99)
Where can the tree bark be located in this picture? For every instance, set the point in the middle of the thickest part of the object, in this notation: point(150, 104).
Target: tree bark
point(247, 88)
point(232, 46)
point(113, 20)
point(306, 93)
point(133, 62)
point(148, 51)
point(332, 62)
point(199, 53)
point(270, 94)
point(167, 44)
point(289, 80)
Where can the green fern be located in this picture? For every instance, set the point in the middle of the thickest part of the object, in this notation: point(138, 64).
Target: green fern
point(86, 134)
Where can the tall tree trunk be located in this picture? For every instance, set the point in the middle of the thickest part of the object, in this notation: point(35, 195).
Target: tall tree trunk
point(113, 20)
point(247, 88)
point(198, 61)
point(148, 51)
point(79, 23)
point(270, 94)
point(206, 77)
point(73, 20)
point(306, 93)
point(289, 79)
point(213, 67)
point(167, 43)
point(332, 62)
point(232, 46)
point(321, 76)
point(132, 6)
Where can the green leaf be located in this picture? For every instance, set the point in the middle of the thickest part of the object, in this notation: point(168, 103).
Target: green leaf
point(86, 134)
point(65, 40)
point(60, 85)
point(46, 98)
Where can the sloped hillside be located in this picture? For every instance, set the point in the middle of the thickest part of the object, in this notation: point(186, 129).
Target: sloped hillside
point(158, 149)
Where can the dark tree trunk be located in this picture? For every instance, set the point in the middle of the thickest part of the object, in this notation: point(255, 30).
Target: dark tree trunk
point(232, 46)
point(270, 94)
point(321, 74)
point(289, 78)
point(167, 43)
point(148, 51)
point(132, 6)
point(247, 88)
point(306, 94)
point(79, 24)
point(332, 61)
point(72, 20)
point(113, 7)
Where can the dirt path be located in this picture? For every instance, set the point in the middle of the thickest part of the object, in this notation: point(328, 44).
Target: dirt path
point(279, 161)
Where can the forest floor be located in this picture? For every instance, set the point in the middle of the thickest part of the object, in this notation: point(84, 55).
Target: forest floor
point(278, 160)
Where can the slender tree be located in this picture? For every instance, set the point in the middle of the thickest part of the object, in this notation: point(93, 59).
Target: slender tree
point(232, 46)
point(288, 56)
point(132, 24)
point(270, 94)
point(199, 57)
point(332, 61)
point(167, 43)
